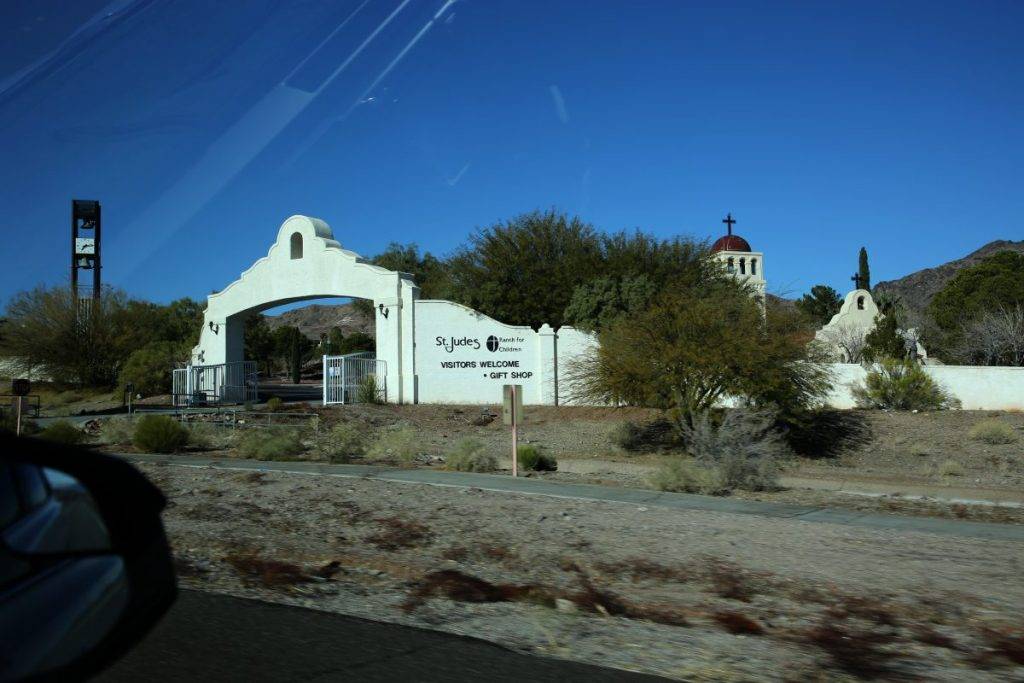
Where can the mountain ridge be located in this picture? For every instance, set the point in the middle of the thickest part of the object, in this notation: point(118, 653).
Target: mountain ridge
point(916, 290)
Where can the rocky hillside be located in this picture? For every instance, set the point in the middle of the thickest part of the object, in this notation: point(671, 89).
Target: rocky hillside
point(318, 319)
point(917, 289)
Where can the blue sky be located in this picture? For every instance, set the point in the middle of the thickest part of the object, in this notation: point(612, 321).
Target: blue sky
point(201, 126)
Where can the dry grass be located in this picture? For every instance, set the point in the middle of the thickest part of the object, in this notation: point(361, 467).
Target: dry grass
point(729, 581)
point(951, 468)
point(1005, 641)
point(269, 573)
point(737, 623)
point(857, 651)
point(400, 533)
point(993, 431)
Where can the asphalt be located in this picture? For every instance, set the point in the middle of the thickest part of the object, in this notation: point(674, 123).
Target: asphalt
point(211, 637)
point(612, 494)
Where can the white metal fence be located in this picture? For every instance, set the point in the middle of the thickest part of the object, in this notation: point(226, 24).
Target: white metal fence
point(215, 384)
point(345, 375)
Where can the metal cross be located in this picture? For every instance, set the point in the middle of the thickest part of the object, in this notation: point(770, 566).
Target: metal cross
point(857, 280)
point(729, 220)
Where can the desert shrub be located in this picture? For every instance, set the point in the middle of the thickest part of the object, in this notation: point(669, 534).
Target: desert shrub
point(919, 449)
point(951, 468)
point(159, 434)
point(655, 435)
point(274, 404)
point(344, 442)
point(208, 437)
point(744, 449)
point(117, 431)
point(535, 459)
point(282, 444)
point(993, 432)
point(369, 391)
point(468, 455)
point(397, 445)
point(682, 475)
point(902, 385)
point(63, 432)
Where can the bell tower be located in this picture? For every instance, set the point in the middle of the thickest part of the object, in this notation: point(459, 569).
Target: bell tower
point(740, 261)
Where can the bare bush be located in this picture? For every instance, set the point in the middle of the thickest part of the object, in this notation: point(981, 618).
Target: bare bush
point(283, 444)
point(117, 431)
point(344, 442)
point(993, 338)
point(399, 445)
point(658, 434)
point(848, 340)
point(468, 455)
point(684, 476)
point(993, 432)
point(744, 450)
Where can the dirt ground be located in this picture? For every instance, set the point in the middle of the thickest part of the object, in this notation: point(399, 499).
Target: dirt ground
point(899, 465)
point(685, 594)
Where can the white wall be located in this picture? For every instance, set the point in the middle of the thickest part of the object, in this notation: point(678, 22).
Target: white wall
point(454, 363)
point(978, 388)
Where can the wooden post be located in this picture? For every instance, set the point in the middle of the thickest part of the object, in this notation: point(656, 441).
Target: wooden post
point(515, 435)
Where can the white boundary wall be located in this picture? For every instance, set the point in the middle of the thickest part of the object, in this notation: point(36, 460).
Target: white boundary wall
point(978, 388)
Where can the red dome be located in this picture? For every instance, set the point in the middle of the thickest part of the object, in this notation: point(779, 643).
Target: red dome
point(731, 243)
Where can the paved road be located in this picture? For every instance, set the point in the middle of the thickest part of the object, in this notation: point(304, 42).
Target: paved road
point(681, 501)
point(210, 637)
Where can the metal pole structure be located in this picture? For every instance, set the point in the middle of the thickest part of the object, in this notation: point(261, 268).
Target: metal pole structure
point(324, 363)
point(17, 428)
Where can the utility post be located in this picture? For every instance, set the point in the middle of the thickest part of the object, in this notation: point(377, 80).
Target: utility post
point(512, 411)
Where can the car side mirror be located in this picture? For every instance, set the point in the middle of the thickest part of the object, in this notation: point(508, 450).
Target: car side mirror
point(85, 567)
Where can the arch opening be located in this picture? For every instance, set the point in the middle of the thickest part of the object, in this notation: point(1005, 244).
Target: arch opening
point(296, 245)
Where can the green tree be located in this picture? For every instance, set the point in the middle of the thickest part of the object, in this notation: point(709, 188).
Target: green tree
point(864, 270)
point(992, 284)
point(76, 342)
point(524, 271)
point(149, 369)
point(676, 262)
point(691, 349)
point(884, 341)
point(332, 342)
point(260, 343)
point(292, 348)
point(355, 342)
point(429, 272)
point(820, 305)
point(596, 304)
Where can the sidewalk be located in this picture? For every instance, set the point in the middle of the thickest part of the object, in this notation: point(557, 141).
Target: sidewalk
point(612, 494)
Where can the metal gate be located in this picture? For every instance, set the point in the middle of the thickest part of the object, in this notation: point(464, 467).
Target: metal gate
point(215, 384)
point(345, 376)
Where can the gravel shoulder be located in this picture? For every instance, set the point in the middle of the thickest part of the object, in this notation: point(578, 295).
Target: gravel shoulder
point(692, 595)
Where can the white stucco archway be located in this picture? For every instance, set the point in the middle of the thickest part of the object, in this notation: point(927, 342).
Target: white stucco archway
point(306, 262)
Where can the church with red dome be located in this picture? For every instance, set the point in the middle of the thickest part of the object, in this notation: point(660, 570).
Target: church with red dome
point(739, 259)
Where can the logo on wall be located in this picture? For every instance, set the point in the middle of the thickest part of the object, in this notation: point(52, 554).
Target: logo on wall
point(492, 343)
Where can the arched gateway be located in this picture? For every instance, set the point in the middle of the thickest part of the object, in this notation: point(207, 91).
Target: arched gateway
point(435, 351)
point(306, 262)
